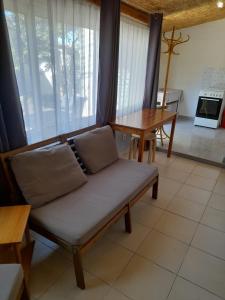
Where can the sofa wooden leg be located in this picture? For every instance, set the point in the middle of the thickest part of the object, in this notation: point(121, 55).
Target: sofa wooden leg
point(155, 189)
point(127, 219)
point(78, 268)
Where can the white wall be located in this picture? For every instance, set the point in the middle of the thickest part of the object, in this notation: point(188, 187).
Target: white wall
point(205, 49)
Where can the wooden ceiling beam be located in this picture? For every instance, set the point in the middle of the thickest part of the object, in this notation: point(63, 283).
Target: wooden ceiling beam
point(130, 11)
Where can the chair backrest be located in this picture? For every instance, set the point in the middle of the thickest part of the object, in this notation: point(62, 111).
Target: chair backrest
point(15, 195)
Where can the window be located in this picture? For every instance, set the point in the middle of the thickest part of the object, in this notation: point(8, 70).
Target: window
point(132, 65)
point(55, 46)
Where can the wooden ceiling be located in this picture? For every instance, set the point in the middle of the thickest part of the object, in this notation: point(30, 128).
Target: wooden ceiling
point(178, 13)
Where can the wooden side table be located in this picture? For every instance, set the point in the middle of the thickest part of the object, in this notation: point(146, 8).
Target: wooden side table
point(16, 244)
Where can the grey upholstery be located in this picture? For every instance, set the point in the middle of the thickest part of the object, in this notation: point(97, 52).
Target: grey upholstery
point(97, 148)
point(46, 174)
point(11, 280)
point(77, 216)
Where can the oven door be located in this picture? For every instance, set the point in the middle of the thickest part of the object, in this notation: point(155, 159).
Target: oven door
point(208, 108)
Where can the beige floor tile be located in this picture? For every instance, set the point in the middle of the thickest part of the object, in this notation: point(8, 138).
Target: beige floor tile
point(186, 208)
point(66, 253)
point(130, 241)
point(41, 279)
point(210, 240)
point(183, 164)
point(207, 171)
point(177, 227)
point(161, 168)
point(95, 290)
point(146, 214)
point(217, 202)
point(115, 295)
point(58, 262)
point(204, 270)
point(47, 267)
point(173, 173)
point(168, 187)
point(222, 175)
point(124, 154)
point(65, 288)
point(162, 201)
point(162, 159)
point(214, 218)
point(143, 280)
point(184, 290)
point(194, 194)
point(106, 260)
point(220, 187)
point(201, 182)
point(163, 250)
point(61, 287)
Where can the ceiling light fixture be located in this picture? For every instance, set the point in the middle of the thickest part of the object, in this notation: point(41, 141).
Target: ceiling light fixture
point(219, 4)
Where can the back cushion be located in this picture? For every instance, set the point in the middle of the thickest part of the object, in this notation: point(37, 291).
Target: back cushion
point(46, 174)
point(97, 148)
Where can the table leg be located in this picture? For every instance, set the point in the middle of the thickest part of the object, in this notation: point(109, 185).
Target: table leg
point(27, 234)
point(141, 147)
point(23, 253)
point(171, 137)
point(17, 249)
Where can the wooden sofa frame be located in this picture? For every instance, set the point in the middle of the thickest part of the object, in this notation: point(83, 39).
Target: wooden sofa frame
point(77, 251)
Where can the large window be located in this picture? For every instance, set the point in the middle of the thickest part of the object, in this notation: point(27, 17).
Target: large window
point(132, 65)
point(55, 50)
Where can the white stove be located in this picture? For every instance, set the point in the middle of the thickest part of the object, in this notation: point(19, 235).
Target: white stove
point(210, 108)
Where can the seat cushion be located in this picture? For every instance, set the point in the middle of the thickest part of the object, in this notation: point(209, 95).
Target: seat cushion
point(11, 279)
point(46, 174)
point(75, 217)
point(97, 148)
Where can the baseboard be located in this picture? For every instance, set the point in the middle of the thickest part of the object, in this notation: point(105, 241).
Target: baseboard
point(181, 117)
point(198, 159)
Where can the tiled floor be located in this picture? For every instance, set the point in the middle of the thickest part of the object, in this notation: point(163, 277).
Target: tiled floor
point(200, 142)
point(176, 250)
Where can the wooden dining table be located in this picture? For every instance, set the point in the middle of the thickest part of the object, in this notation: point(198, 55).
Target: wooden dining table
point(144, 122)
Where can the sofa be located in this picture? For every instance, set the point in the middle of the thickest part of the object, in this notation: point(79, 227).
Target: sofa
point(78, 187)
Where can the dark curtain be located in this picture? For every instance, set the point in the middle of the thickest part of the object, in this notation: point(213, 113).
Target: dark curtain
point(153, 61)
point(12, 130)
point(108, 61)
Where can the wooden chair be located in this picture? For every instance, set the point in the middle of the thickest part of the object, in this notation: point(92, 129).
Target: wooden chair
point(151, 138)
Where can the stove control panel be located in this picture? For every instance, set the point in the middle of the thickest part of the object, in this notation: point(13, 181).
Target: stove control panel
point(212, 94)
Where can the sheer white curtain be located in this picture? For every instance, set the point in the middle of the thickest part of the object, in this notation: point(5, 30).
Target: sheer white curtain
point(55, 50)
point(132, 65)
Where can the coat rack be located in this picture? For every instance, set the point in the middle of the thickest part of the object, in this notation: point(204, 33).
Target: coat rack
point(171, 44)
